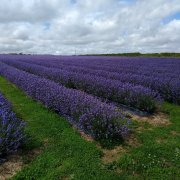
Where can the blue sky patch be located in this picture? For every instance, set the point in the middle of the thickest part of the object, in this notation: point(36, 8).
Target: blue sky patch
point(127, 2)
point(47, 25)
point(73, 1)
point(170, 18)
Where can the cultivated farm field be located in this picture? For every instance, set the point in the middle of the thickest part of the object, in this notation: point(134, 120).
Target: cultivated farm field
point(90, 117)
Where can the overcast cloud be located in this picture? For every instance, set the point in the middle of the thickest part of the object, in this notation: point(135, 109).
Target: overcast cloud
point(89, 26)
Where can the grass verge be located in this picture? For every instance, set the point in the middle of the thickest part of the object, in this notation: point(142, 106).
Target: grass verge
point(158, 155)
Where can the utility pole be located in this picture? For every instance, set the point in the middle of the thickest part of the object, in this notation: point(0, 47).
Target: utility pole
point(75, 51)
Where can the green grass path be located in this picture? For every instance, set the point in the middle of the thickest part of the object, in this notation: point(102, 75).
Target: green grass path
point(158, 155)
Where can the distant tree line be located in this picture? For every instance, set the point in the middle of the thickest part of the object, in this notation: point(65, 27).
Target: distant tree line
point(135, 54)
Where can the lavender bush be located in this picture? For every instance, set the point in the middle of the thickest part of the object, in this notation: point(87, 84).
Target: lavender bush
point(125, 93)
point(159, 74)
point(12, 134)
point(87, 112)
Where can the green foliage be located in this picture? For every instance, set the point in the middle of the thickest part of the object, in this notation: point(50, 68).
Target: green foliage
point(134, 54)
point(155, 159)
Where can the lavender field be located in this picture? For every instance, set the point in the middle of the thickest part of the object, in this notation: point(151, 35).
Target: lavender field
point(80, 86)
point(83, 88)
point(140, 82)
point(94, 93)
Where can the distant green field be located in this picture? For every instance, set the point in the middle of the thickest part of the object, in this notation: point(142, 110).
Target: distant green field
point(177, 55)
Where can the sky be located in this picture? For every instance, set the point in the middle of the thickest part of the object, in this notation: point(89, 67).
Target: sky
point(89, 26)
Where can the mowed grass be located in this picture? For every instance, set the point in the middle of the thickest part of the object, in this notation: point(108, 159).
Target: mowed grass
point(158, 155)
point(66, 155)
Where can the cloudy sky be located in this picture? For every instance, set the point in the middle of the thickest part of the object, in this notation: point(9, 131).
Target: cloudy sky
point(89, 26)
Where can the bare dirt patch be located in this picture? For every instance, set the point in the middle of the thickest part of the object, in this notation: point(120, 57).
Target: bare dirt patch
point(132, 141)
point(86, 136)
point(158, 119)
point(161, 140)
point(110, 155)
point(16, 162)
point(175, 133)
point(11, 167)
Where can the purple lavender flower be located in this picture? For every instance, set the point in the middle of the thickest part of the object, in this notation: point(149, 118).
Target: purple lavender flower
point(137, 96)
point(12, 134)
point(86, 111)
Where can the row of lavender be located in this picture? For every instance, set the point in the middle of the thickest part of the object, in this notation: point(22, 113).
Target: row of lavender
point(166, 84)
point(101, 120)
point(108, 69)
point(160, 75)
point(138, 65)
point(12, 134)
point(125, 93)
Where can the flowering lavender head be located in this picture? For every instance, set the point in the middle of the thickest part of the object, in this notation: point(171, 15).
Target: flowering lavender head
point(11, 129)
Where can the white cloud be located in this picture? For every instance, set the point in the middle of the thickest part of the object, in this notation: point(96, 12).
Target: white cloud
point(63, 27)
